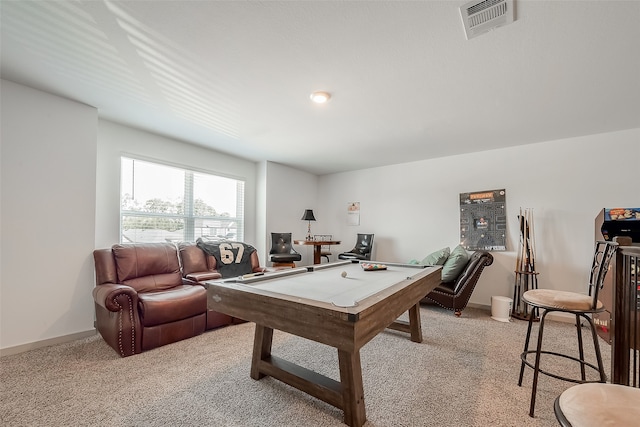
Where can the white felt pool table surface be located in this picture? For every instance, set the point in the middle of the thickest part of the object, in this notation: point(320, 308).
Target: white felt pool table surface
point(327, 284)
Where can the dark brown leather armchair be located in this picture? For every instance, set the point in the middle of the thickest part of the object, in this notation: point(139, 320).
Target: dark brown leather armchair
point(140, 299)
point(455, 295)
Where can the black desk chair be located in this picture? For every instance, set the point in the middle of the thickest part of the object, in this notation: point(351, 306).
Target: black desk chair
point(581, 306)
point(282, 253)
point(362, 249)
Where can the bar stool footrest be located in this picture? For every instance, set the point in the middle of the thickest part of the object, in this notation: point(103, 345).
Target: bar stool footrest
point(523, 357)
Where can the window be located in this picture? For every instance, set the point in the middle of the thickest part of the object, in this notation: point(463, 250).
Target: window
point(162, 203)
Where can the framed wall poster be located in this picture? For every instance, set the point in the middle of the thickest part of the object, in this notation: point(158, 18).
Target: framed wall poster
point(353, 213)
point(483, 220)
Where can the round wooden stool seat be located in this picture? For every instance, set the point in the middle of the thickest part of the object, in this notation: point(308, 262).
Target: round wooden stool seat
point(593, 404)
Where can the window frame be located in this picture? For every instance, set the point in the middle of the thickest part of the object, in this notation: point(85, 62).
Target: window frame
point(188, 217)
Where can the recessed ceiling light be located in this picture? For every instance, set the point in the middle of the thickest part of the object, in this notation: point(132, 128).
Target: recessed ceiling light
point(320, 97)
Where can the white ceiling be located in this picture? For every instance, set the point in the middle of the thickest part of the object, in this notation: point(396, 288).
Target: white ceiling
point(406, 84)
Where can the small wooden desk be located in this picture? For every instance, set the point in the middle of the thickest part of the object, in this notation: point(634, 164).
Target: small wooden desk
point(317, 247)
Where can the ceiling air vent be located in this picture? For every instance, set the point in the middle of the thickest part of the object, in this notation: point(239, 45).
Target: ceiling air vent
point(478, 17)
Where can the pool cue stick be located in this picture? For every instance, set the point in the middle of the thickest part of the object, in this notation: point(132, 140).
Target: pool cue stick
point(527, 241)
point(519, 257)
point(534, 278)
point(518, 284)
point(527, 266)
point(533, 244)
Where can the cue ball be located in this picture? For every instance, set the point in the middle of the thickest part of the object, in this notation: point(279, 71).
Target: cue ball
point(343, 274)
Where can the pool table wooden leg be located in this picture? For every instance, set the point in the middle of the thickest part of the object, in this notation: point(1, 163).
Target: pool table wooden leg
point(413, 326)
point(261, 349)
point(415, 323)
point(352, 388)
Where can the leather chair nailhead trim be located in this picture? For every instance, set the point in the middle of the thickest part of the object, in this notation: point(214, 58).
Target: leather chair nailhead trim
point(133, 329)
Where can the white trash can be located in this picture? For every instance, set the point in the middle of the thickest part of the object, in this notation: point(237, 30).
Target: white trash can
point(501, 308)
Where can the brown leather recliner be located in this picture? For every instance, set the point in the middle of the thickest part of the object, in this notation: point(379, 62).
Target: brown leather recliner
point(140, 299)
point(198, 267)
point(455, 295)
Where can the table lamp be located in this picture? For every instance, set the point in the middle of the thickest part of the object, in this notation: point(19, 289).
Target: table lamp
point(308, 216)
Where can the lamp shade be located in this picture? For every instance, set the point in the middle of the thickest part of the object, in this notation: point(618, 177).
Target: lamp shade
point(308, 215)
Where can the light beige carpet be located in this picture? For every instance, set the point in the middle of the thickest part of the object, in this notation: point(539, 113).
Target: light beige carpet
point(464, 374)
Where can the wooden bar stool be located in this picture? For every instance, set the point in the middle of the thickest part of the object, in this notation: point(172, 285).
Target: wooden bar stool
point(595, 405)
point(616, 404)
point(582, 307)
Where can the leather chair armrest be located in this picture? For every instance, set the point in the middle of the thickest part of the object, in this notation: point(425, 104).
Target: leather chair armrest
point(107, 296)
point(255, 263)
point(121, 331)
point(202, 276)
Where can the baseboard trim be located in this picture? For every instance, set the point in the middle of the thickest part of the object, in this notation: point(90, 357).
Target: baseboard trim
point(479, 306)
point(557, 316)
point(46, 343)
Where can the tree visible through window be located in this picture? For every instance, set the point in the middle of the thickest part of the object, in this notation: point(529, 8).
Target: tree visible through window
point(160, 203)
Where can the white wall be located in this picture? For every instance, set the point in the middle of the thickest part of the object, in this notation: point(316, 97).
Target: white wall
point(115, 140)
point(48, 216)
point(261, 212)
point(49, 173)
point(289, 192)
point(413, 208)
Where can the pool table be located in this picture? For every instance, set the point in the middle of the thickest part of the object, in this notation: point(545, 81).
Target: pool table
point(338, 304)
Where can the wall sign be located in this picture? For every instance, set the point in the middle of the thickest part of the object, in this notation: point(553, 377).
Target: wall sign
point(483, 220)
point(353, 213)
